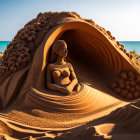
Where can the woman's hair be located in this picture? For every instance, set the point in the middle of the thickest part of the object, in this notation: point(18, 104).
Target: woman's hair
point(55, 48)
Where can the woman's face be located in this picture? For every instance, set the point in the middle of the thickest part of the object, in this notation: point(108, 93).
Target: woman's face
point(62, 52)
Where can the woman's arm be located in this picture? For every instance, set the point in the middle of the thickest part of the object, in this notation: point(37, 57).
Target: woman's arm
point(73, 78)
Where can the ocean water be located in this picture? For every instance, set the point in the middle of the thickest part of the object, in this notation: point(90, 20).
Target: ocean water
point(131, 45)
point(3, 45)
point(128, 45)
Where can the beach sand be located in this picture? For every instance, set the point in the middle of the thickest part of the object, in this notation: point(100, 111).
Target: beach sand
point(30, 111)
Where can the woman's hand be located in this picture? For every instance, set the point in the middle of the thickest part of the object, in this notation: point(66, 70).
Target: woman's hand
point(69, 88)
point(64, 91)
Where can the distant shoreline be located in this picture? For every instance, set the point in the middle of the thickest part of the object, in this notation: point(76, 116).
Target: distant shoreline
point(128, 45)
point(119, 41)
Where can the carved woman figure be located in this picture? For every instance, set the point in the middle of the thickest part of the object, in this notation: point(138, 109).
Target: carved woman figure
point(60, 74)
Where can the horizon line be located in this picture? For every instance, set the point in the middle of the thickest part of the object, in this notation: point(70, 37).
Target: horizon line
point(116, 40)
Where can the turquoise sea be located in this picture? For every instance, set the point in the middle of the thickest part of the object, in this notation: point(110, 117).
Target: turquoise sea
point(129, 45)
point(3, 45)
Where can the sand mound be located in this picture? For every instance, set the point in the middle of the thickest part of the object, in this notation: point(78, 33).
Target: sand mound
point(28, 108)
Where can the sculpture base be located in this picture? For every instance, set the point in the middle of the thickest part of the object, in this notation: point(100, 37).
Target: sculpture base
point(48, 110)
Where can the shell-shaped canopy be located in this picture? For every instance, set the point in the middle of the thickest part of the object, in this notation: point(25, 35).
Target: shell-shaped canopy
point(90, 52)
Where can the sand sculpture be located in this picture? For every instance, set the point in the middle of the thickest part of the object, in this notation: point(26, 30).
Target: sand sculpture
point(103, 79)
point(60, 71)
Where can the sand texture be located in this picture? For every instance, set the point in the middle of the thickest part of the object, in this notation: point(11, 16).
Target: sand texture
point(107, 105)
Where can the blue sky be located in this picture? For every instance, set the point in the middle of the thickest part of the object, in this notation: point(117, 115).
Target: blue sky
point(121, 17)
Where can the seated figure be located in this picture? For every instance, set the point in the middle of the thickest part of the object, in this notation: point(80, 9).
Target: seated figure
point(60, 74)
